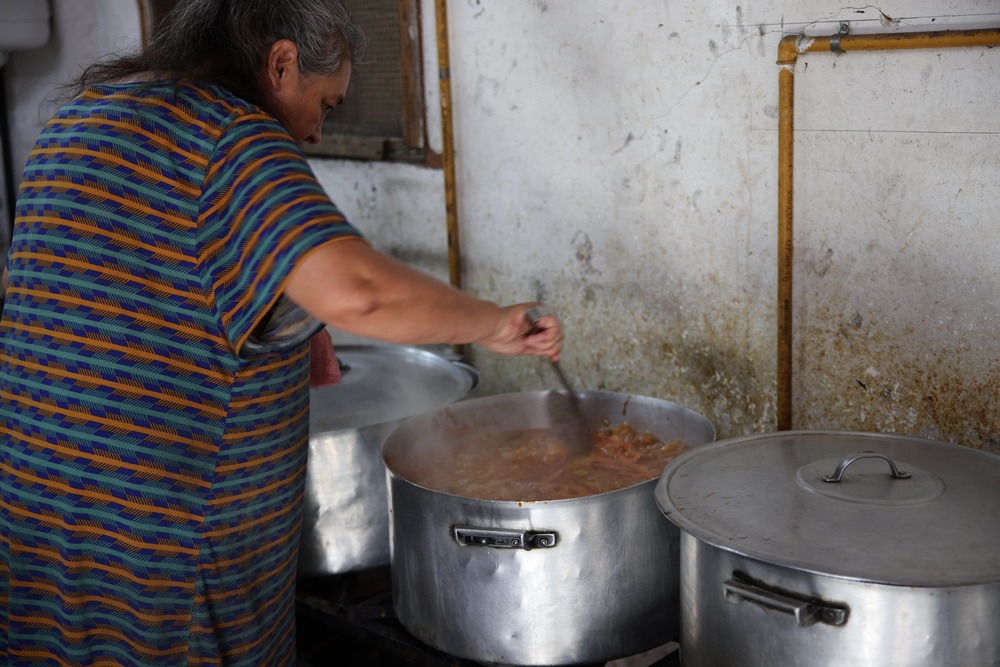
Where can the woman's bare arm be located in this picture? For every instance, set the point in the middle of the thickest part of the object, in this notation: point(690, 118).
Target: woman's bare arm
point(354, 288)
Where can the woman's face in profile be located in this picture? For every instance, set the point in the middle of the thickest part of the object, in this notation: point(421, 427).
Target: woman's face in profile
point(301, 102)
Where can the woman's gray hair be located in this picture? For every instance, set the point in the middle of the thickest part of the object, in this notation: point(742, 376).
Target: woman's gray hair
point(227, 42)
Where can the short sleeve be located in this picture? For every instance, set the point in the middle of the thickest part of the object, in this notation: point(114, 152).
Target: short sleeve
point(262, 210)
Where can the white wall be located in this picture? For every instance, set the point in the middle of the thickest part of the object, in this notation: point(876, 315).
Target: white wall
point(82, 31)
point(619, 160)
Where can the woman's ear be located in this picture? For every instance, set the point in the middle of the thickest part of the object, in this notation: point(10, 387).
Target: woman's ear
point(282, 65)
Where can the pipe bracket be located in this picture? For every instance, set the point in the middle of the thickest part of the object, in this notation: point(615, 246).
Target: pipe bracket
point(844, 30)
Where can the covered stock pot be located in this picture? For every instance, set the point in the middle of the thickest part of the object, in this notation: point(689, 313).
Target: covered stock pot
point(836, 549)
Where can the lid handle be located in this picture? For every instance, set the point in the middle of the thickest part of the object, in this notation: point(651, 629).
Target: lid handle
point(851, 458)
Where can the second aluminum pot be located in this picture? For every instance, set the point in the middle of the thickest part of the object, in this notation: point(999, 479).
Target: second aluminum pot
point(345, 524)
point(535, 583)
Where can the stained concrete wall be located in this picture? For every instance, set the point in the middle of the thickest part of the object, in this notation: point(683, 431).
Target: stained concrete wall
point(899, 302)
point(619, 161)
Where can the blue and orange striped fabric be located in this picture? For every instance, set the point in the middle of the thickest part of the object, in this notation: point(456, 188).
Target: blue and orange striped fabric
point(151, 477)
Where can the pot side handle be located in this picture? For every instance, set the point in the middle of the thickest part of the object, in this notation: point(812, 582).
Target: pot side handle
point(805, 611)
point(469, 536)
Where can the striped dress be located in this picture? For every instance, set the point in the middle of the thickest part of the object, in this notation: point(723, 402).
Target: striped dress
point(154, 429)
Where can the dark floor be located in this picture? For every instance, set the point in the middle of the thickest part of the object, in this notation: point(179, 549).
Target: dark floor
point(348, 619)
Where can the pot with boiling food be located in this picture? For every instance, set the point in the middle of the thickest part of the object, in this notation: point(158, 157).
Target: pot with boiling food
point(507, 547)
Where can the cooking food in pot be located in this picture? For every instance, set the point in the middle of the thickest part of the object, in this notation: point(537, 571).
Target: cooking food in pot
point(536, 464)
point(536, 587)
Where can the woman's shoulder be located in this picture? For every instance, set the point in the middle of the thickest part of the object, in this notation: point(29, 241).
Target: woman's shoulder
point(202, 99)
point(197, 119)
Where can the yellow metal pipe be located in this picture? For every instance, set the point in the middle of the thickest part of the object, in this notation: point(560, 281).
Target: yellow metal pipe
point(792, 46)
point(789, 49)
point(786, 107)
point(448, 151)
point(448, 145)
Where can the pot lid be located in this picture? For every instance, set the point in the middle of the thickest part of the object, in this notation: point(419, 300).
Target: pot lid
point(386, 383)
point(776, 498)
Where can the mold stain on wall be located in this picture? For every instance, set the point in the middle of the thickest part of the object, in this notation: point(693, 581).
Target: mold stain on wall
point(914, 358)
point(706, 376)
point(649, 346)
point(883, 383)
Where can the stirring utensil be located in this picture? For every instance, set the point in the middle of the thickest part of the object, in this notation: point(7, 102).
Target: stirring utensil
point(565, 411)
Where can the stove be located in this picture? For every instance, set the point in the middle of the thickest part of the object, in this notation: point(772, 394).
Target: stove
point(350, 616)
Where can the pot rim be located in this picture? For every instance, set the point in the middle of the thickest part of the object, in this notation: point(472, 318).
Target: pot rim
point(386, 383)
point(422, 423)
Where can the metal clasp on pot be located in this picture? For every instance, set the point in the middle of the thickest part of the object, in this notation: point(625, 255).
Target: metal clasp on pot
point(504, 539)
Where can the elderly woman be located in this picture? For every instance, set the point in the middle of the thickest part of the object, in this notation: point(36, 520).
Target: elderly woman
point(173, 255)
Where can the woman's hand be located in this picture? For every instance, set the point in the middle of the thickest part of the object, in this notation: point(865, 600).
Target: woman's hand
point(518, 334)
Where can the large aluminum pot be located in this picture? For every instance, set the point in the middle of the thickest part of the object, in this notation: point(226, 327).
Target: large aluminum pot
point(345, 523)
point(534, 583)
point(837, 549)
